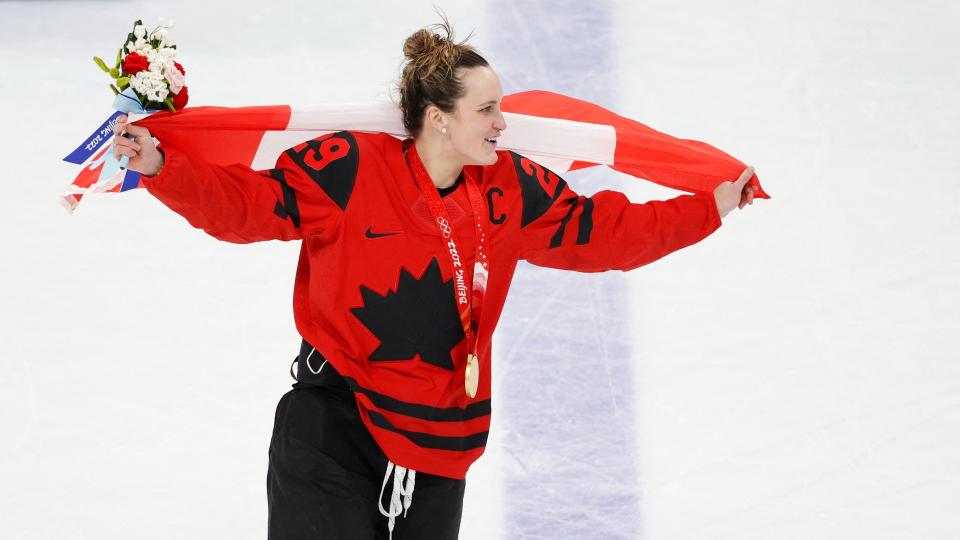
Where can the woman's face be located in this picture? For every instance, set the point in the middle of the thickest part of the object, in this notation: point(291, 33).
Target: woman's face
point(477, 121)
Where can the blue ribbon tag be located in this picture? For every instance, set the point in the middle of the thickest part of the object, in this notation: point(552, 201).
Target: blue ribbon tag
point(124, 103)
point(93, 143)
point(114, 171)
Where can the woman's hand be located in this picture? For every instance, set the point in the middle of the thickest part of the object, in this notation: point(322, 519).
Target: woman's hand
point(733, 194)
point(143, 153)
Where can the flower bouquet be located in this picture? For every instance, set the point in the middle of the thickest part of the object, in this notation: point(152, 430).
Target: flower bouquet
point(146, 79)
point(146, 71)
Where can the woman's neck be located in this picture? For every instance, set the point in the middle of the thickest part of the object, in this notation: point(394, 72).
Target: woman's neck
point(442, 168)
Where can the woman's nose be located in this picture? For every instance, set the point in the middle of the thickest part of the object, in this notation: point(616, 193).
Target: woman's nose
point(500, 123)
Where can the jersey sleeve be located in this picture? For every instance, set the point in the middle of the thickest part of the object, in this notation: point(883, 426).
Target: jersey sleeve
point(305, 193)
point(561, 229)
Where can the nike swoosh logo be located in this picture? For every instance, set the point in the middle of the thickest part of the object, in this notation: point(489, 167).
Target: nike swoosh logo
point(371, 234)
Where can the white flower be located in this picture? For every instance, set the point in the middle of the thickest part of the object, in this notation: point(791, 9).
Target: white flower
point(139, 31)
point(159, 33)
point(131, 46)
point(166, 23)
point(149, 83)
point(157, 94)
point(139, 83)
point(167, 52)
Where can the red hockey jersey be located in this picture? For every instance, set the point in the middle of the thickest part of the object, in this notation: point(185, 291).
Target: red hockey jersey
point(374, 291)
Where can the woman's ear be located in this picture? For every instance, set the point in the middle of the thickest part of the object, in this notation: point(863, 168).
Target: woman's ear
point(435, 119)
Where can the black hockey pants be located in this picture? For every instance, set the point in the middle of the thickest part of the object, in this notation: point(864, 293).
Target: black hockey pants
point(326, 472)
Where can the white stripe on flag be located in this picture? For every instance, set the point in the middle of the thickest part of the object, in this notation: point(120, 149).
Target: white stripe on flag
point(559, 139)
point(554, 143)
point(381, 116)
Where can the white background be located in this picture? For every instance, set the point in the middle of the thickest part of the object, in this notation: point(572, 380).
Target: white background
point(796, 374)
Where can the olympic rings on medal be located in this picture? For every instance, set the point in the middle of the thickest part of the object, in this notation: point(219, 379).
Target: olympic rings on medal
point(444, 226)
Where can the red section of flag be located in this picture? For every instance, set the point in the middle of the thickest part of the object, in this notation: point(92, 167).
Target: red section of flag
point(641, 151)
point(221, 135)
point(91, 170)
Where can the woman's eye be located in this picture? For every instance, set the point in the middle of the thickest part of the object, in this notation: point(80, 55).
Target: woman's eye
point(488, 108)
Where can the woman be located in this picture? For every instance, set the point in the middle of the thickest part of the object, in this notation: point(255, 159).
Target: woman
point(408, 249)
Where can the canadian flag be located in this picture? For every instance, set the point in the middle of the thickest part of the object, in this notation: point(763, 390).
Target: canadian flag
point(557, 131)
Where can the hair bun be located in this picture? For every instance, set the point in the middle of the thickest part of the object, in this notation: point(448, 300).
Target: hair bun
point(428, 52)
point(420, 44)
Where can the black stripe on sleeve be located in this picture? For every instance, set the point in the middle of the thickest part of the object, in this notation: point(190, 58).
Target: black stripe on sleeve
point(288, 208)
point(558, 236)
point(586, 222)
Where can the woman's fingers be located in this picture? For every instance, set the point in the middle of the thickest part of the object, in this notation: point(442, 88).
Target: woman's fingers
point(125, 147)
point(746, 175)
point(126, 139)
point(136, 143)
point(124, 151)
point(137, 131)
point(122, 127)
point(123, 141)
point(746, 197)
point(736, 194)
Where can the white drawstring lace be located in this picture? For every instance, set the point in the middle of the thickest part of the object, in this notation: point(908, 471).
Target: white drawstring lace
point(296, 362)
point(398, 489)
point(317, 372)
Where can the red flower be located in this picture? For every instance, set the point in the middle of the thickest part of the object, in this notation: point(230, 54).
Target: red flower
point(180, 100)
point(179, 67)
point(134, 63)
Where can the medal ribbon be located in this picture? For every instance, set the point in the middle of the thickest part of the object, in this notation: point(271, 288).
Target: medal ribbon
point(469, 305)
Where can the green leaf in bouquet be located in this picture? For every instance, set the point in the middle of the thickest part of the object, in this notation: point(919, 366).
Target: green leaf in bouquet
point(119, 58)
point(114, 88)
point(99, 61)
point(123, 82)
point(169, 104)
point(115, 73)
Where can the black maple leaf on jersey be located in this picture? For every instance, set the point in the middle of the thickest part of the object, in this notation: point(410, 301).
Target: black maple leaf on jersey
point(421, 317)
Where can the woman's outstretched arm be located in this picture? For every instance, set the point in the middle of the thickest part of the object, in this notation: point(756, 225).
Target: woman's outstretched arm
point(232, 203)
point(607, 231)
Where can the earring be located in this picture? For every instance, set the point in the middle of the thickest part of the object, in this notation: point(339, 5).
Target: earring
point(443, 130)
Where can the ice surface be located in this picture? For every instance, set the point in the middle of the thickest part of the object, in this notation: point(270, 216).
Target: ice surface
point(795, 375)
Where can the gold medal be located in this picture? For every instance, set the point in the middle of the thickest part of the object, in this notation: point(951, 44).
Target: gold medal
point(472, 375)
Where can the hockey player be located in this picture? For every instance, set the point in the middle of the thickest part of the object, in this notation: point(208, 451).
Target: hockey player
point(407, 252)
